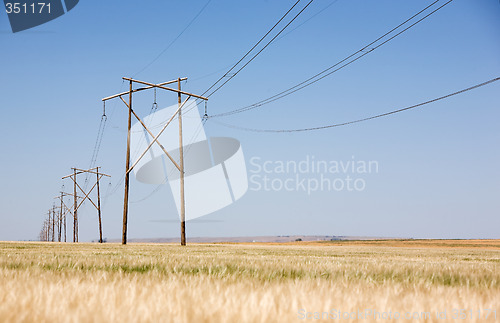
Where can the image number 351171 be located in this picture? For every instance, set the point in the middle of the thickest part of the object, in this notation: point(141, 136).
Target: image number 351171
point(31, 13)
point(25, 8)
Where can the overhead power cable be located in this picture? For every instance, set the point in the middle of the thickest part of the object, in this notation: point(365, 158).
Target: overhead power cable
point(260, 51)
point(346, 61)
point(307, 20)
point(97, 145)
point(173, 41)
point(364, 119)
point(282, 36)
point(229, 75)
point(251, 49)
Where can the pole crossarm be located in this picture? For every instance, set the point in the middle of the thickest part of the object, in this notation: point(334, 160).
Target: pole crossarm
point(81, 171)
point(151, 134)
point(66, 194)
point(92, 171)
point(140, 89)
point(166, 88)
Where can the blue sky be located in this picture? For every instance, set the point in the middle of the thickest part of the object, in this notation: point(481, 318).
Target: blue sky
point(438, 174)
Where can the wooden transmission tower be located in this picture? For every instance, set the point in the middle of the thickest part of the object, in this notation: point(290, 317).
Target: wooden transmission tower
point(179, 166)
point(86, 196)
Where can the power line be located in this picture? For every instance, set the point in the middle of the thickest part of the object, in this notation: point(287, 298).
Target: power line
point(282, 36)
point(274, 38)
point(251, 49)
point(275, 97)
point(253, 57)
point(97, 145)
point(100, 134)
point(229, 71)
point(364, 119)
point(307, 20)
point(319, 76)
point(230, 75)
point(173, 41)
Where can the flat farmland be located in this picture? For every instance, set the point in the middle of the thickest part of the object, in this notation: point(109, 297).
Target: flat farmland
point(333, 281)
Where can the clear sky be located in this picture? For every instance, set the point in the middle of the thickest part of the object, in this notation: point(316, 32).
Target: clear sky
point(437, 172)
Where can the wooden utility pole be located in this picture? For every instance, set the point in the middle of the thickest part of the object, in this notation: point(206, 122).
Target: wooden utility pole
point(127, 165)
point(75, 214)
point(47, 228)
point(99, 206)
point(60, 218)
point(65, 227)
point(181, 162)
point(49, 225)
point(53, 223)
point(179, 166)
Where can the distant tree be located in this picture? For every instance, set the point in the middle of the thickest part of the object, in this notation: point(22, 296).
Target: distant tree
point(298, 239)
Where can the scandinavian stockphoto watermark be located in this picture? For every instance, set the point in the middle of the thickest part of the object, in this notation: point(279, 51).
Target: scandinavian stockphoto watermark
point(310, 174)
point(215, 173)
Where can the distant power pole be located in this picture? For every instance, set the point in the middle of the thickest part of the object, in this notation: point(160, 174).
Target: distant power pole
point(65, 228)
point(48, 225)
point(60, 219)
point(64, 210)
point(65, 235)
point(85, 197)
point(53, 223)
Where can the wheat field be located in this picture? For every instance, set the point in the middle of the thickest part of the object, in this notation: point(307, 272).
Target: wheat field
point(297, 282)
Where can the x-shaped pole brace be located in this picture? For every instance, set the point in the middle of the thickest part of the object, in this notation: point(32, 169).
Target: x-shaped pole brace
point(155, 138)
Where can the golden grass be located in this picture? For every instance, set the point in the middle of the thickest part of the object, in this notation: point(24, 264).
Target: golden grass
point(51, 282)
point(417, 243)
